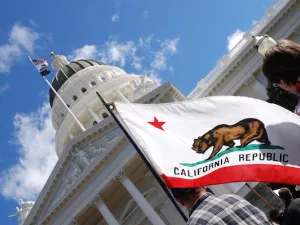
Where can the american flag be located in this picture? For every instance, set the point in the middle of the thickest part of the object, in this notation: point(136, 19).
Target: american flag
point(40, 64)
point(38, 61)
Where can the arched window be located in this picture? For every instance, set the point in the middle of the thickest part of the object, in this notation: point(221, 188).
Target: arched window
point(104, 115)
point(83, 90)
point(74, 97)
point(95, 122)
point(93, 83)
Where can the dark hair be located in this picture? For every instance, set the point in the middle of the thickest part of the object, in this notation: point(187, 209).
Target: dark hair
point(285, 194)
point(183, 193)
point(282, 62)
point(275, 216)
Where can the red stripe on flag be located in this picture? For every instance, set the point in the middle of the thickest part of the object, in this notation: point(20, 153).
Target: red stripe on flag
point(243, 173)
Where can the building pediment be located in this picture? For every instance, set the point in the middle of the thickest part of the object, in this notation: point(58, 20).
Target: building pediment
point(79, 161)
point(84, 155)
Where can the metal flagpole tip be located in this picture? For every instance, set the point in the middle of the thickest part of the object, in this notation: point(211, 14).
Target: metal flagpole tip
point(111, 106)
point(52, 54)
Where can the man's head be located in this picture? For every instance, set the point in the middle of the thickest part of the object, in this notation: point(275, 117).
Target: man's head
point(188, 196)
point(281, 65)
point(285, 195)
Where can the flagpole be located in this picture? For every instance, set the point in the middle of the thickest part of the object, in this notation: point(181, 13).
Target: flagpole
point(261, 197)
point(156, 176)
point(63, 102)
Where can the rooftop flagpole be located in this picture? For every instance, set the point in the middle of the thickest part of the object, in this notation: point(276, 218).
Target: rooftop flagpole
point(156, 176)
point(63, 102)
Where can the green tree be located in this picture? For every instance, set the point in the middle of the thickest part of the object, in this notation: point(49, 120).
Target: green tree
point(283, 98)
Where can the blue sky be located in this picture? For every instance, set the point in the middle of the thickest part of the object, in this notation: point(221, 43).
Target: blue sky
point(177, 41)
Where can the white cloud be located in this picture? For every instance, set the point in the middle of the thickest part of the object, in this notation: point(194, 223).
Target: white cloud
point(4, 88)
point(153, 75)
point(159, 61)
point(170, 46)
point(86, 52)
point(144, 54)
point(146, 42)
point(33, 23)
point(137, 63)
point(9, 53)
point(145, 14)
point(115, 17)
point(34, 136)
point(21, 41)
point(118, 53)
point(23, 36)
point(234, 39)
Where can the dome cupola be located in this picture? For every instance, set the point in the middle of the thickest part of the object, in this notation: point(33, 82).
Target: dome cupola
point(65, 70)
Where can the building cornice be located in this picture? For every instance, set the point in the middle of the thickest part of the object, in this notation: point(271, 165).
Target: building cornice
point(231, 61)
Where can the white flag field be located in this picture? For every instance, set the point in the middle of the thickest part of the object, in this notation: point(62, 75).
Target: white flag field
point(216, 140)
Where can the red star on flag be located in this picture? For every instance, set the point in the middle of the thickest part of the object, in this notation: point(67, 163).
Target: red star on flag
point(157, 124)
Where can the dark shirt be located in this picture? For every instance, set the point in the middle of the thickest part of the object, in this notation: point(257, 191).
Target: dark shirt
point(291, 215)
point(225, 210)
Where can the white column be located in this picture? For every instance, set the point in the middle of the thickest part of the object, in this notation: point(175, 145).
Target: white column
point(139, 199)
point(108, 216)
point(257, 86)
point(122, 96)
point(94, 115)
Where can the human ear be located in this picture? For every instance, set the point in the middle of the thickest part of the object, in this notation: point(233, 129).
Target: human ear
point(283, 83)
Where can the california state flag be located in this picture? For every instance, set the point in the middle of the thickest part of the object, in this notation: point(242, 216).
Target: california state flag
point(216, 140)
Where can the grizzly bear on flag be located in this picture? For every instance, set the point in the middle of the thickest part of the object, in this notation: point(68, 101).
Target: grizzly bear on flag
point(246, 131)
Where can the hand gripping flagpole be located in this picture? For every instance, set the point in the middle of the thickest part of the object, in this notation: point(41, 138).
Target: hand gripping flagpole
point(156, 176)
point(63, 102)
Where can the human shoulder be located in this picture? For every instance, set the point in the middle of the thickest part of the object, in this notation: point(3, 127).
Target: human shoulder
point(231, 197)
point(295, 203)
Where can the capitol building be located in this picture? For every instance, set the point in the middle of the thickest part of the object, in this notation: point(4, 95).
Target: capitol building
point(99, 178)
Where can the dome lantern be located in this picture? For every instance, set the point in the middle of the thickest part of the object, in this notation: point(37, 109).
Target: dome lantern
point(58, 61)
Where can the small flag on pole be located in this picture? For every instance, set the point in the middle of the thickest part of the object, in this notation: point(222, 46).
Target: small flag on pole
point(40, 65)
point(216, 140)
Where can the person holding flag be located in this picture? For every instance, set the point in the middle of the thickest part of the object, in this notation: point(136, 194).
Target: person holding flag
point(213, 140)
point(207, 209)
